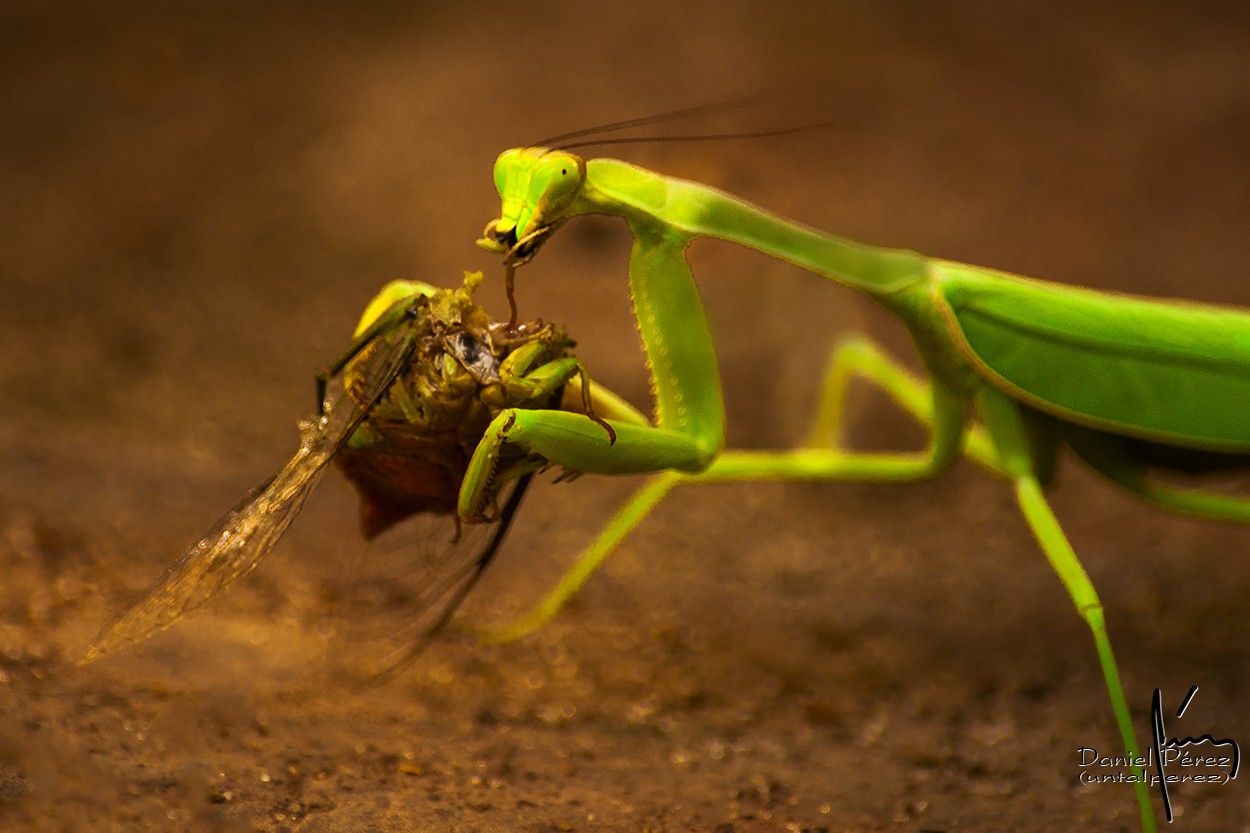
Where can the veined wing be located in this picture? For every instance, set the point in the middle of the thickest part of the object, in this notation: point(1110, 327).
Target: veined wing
point(401, 611)
point(246, 534)
point(1174, 373)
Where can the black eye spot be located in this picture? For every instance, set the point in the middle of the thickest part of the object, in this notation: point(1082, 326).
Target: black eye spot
point(564, 171)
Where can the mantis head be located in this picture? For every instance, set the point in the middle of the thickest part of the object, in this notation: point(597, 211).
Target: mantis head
point(538, 188)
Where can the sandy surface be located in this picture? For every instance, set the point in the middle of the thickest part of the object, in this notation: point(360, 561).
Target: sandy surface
point(194, 206)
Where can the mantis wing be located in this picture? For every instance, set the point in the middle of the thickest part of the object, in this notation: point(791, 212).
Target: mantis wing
point(1166, 371)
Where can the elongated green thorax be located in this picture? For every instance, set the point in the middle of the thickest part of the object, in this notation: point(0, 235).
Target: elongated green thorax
point(540, 188)
point(699, 210)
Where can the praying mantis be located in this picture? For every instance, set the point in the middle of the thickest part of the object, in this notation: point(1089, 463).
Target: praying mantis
point(1016, 369)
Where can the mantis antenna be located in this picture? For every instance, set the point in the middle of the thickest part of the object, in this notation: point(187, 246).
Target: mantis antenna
point(707, 137)
point(655, 118)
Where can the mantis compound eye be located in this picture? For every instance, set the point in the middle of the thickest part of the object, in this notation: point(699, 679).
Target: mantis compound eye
point(505, 166)
point(556, 183)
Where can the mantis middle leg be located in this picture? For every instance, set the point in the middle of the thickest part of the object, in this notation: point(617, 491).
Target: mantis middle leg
point(860, 357)
point(944, 416)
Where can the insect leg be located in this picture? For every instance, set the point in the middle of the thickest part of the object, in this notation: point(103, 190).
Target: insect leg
point(947, 426)
point(859, 358)
point(629, 516)
point(1108, 457)
point(1006, 427)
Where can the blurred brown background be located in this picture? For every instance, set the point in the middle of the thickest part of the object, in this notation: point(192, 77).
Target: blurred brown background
point(197, 199)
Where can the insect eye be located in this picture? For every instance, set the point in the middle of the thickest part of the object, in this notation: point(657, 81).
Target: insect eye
point(474, 356)
point(465, 347)
point(561, 176)
point(504, 167)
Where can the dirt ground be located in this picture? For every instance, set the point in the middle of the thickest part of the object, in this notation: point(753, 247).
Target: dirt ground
point(197, 199)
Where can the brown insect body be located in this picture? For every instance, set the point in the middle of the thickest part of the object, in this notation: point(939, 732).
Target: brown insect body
point(411, 452)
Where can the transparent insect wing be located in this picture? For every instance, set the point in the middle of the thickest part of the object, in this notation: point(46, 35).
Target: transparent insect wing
point(411, 591)
point(246, 534)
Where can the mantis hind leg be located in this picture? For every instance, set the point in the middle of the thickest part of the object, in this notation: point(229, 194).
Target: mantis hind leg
point(1106, 454)
point(1006, 426)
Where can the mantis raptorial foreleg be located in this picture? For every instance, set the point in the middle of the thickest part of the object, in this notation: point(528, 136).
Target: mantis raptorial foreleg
point(690, 416)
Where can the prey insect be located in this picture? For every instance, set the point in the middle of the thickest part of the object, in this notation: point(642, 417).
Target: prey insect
point(400, 414)
point(1017, 368)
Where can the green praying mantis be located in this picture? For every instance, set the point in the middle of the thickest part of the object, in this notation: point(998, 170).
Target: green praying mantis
point(1017, 368)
